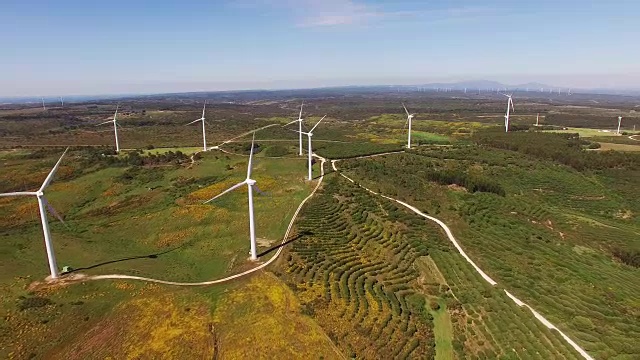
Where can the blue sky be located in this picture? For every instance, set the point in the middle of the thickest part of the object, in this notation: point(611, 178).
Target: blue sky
point(91, 47)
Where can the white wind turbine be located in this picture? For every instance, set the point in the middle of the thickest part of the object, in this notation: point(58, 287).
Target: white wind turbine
point(43, 205)
point(204, 136)
point(409, 118)
point(507, 117)
point(309, 135)
point(115, 127)
point(250, 184)
point(619, 122)
point(299, 121)
point(43, 107)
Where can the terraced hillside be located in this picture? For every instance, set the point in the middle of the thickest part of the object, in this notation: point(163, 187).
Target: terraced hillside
point(384, 283)
point(560, 239)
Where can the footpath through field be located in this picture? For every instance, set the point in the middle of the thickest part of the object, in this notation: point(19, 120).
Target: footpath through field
point(486, 277)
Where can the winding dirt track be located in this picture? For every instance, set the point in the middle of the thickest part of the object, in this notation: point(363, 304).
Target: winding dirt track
point(486, 277)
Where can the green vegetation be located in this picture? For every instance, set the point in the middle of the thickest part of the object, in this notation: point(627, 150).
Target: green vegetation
point(551, 214)
point(333, 150)
point(563, 148)
point(354, 268)
point(563, 240)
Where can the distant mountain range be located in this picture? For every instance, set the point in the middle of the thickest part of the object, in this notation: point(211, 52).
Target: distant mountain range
point(472, 85)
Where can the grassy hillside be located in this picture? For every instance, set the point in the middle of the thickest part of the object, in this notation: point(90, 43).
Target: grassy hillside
point(137, 220)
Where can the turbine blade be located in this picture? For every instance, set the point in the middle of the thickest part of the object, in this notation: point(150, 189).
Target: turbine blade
point(253, 141)
point(21, 193)
point(203, 108)
point(49, 178)
point(405, 109)
point(194, 121)
point(106, 122)
point(300, 116)
point(116, 114)
point(52, 211)
point(318, 123)
point(294, 121)
point(299, 132)
point(226, 191)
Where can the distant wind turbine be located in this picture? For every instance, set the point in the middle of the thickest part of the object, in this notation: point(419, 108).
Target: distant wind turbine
point(43, 206)
point(250, 184)
point(310, 151)
point(204, 135)
point(61, 102)
point(43, 107)
point(619, 122)
point(299, 121)
point(409, 118)
point(538, 119)
point(115, 127)
point(507, 116)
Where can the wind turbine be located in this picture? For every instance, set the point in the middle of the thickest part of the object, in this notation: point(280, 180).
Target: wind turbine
point(309, 135)
point(250, 184)
point(204, 136)
point(43, 107)
point(43, 205)
point(299, 121)
point(508, 115)
point(61, 102)
point(619, 122)
point(115, 127)
point(409, 118)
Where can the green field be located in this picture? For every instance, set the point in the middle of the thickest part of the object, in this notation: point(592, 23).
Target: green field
point(588, 133)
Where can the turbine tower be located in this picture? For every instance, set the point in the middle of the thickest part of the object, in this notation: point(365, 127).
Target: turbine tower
point(507, 116)
point(309, 135)
point(409, 118)
point(619, 122)
point(250, 184)
point(115, 128)
point(538, 119)
point(61, 102)
point(299, 121)
point(43, 107)
point(204, 135)
point(43, 205)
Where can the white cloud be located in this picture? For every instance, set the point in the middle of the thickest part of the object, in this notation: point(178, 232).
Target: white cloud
point(317, 13)
point(327, 13)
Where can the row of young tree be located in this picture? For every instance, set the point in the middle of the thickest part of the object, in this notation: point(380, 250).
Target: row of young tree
point(471, 182)
point(567, 149)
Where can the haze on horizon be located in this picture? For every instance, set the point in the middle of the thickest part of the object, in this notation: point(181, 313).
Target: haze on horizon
point(79, 47)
